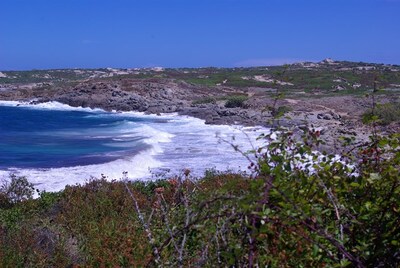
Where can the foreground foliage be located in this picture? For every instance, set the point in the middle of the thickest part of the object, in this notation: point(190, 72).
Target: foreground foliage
point(300, 209)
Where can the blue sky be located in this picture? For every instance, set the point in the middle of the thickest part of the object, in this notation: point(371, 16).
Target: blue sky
point(40, 34)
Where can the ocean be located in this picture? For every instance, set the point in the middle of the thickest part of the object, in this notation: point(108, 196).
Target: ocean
point(55, 145)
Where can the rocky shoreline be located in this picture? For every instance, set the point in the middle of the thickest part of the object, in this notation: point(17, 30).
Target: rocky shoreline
point(333, 117)
point(144, 96)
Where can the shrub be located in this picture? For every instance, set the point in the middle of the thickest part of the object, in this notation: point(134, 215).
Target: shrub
point(384, 114)
point(17, 189)
point(4, 201)
point(235, 101)
point(280, 111)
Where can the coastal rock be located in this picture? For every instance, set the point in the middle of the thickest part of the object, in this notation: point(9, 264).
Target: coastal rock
point(324, 116)
point(329, 116)
point(226, 112)
point(101, 95)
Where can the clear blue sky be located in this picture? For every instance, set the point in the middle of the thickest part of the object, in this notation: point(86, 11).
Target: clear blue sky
point(40, 34)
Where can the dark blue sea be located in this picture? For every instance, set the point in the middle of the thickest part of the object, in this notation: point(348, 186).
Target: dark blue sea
point(55, 145)
point(34, 138)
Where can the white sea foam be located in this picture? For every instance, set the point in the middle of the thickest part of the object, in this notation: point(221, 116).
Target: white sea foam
point(10, 103)
point(52, 105)
point(55, 179)
point(176, 142)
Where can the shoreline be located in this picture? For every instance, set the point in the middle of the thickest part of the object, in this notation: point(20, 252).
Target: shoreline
point(152, 161)
point(332, 116)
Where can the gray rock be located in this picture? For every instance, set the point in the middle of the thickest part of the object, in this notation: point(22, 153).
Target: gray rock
point(324, 116)
point(336, 116)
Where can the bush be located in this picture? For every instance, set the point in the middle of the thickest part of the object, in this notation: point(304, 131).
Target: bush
point(235, 101)
point(327, 205)
point(4, 201)
point(384, 114)
point(17, 189)
point(280, 111)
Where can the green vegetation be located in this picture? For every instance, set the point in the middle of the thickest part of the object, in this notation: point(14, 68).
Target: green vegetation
point(235, 101)
point(292, 213)
point(231, 101)
point(350, 78)
point(340, 78)
point(205, 100)
point(17, 190)
point(383, 114)
point(280, 111)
